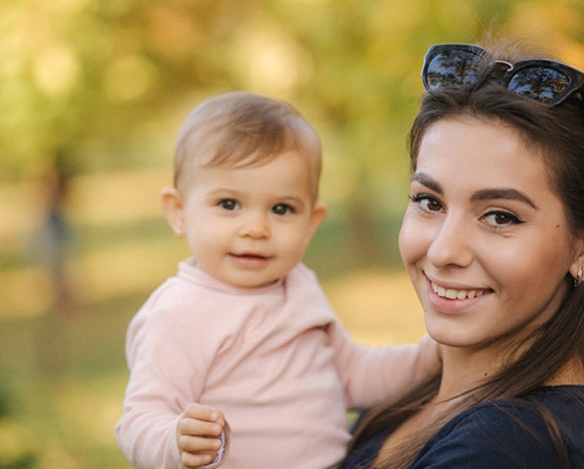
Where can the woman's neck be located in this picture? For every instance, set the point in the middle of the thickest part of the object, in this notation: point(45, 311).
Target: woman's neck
point(464, 370)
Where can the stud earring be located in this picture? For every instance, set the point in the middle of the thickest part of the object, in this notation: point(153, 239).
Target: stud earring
point(579, 280)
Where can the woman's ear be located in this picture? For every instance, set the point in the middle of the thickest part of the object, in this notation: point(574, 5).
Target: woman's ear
point(577, 267)
point(173, 208)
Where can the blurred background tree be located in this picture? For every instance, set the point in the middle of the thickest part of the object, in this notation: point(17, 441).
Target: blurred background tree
point(92, 94)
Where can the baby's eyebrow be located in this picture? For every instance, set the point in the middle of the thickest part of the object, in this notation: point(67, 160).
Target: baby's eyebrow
point(291, 199)
point(502, 193)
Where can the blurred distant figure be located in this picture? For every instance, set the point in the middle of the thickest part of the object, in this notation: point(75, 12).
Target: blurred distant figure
point(56, 236)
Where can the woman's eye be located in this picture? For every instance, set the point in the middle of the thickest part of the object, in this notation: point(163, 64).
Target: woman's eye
point(426, 202)
point(282, 209)
point(500, 218)
point(228, 204)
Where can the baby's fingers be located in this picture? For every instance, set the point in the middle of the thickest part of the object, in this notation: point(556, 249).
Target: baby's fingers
point(201, 428)
point(201, 412)
point(198, 451)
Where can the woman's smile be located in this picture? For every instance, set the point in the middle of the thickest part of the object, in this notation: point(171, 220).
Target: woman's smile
point(443, 299)
point(455, 294)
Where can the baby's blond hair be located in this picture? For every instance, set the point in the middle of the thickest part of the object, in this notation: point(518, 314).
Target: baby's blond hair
point(241, 129)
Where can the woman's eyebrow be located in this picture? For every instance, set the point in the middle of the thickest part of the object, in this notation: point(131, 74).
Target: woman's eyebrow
point(427, 181)
point(484, 194)
point(502, 193)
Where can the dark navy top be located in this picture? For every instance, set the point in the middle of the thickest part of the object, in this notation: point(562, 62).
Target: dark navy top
point(503, 434)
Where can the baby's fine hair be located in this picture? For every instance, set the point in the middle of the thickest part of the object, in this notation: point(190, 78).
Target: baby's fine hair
point(240, 129)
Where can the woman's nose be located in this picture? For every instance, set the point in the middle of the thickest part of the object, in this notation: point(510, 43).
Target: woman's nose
point(255, 226)
point(452, 243)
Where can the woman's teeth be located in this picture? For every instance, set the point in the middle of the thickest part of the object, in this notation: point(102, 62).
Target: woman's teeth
point(452, 294)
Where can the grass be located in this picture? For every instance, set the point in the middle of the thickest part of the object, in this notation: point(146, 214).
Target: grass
point(62, 388)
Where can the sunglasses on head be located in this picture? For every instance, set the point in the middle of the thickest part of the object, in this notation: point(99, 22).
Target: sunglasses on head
point(457, 66)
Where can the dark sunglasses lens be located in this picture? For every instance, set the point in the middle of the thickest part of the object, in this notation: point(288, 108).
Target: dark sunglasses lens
point(453, 69)
point(540, 83)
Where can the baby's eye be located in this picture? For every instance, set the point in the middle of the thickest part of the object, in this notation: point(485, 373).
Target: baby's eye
point(282, 209)
point(228, 204)
point(426, 202)
point(501, 218)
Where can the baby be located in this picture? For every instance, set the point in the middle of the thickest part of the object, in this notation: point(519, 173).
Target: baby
point(244, 332)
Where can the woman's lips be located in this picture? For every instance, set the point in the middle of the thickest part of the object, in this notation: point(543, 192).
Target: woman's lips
point(451, 300)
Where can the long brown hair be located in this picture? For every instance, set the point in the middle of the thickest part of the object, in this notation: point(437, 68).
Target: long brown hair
point(557, 134)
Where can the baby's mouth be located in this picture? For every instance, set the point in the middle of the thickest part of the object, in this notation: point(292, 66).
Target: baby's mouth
point(250, 256)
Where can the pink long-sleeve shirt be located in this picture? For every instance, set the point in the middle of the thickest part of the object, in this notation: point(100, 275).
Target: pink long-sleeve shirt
point(275, 360)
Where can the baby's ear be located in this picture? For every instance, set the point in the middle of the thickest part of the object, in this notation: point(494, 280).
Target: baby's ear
point(172, 206)
point(318, 215)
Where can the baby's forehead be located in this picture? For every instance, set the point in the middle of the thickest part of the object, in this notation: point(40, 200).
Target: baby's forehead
point(255, 159)
point(305, 170)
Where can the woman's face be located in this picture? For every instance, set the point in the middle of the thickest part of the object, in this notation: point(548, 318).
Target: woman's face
point(484, 239)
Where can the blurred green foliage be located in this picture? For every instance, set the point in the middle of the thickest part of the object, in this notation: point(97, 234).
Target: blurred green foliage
point(92, 79)
point(92, 94)
point(102, 85)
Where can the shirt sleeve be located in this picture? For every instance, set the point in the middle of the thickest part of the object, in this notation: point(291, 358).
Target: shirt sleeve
point(492, 435)
point(166, 375)
point(373, 374)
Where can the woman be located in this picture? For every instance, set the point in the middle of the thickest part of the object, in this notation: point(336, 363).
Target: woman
point(493, 241)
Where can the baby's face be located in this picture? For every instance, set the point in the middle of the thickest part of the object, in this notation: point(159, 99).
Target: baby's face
point(249, 226)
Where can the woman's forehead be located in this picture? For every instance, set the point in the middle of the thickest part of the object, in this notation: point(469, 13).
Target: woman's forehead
point(480, 155)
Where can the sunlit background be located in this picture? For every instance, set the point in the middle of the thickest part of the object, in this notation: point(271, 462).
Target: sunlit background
point(92, 93)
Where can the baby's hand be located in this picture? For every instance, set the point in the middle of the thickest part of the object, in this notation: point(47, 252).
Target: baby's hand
point(198, 435)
